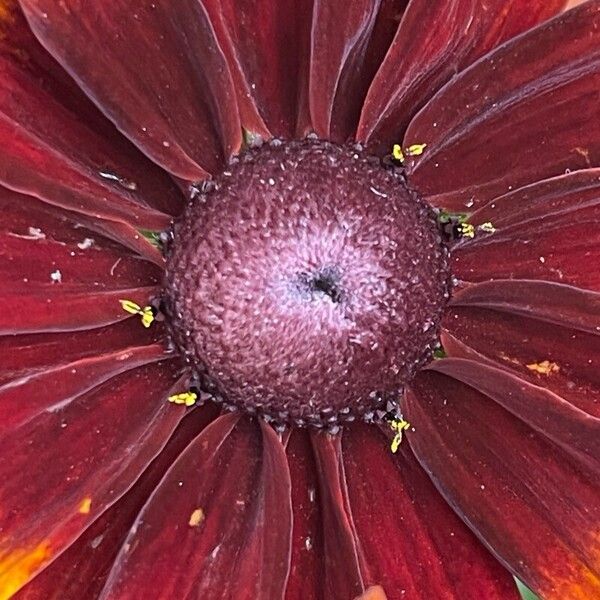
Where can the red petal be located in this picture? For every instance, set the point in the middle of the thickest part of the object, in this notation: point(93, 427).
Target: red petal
point(267, 46)
point(64, 467)
point(52, 309)
point(510, 119)
point(29, 396)
point(577, 432)
point(81, 571)
point(36, 240)
point(542, 300)
point(413, 545)
point(562, 198)
point(46, 152)
point(548, 230)
point(30, 354)
point(182, 113)
point(434, 42)
point(340, 35)
point(306, 573)
point(532, 503)
point(19, 48)
point(523, 345)
point(223, 516)
point(342, 577)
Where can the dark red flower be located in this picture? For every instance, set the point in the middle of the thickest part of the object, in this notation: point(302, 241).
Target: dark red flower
point(386, 222)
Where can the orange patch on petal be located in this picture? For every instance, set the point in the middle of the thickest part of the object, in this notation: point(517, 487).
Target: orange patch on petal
point(375, 592)
point(17, 568)
point(6, 10)
point(577, 581)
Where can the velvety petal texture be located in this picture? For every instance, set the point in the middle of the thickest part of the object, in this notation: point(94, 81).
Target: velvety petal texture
point(542, 300)
point(267, 46)
point(518, 483)
point(556, 357)
point(436, 40)
point(340, 35)
point(111, 116)
point(59, 147)
point(374, 527)
point(509, 120)
point(81, 571)
point(159, 74)
point(548, 230)
point(208, 528)
point(41, 248)
point(64, 463)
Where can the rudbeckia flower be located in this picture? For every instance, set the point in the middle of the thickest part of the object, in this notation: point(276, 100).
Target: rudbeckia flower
point(299, 299)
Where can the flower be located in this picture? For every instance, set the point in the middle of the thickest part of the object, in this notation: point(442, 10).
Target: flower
point(117, 118)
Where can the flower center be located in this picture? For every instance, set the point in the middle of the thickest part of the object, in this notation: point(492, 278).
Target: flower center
point(307, 284)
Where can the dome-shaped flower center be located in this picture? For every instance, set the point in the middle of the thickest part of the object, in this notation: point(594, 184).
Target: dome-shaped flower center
point(307, 284)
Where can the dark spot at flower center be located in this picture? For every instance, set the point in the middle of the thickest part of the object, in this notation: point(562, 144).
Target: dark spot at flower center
point(325, 282)
point(307, 284)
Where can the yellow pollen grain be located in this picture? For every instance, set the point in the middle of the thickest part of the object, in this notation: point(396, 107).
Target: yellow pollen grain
point(544, 368)
point(416, 149)
point(196, 518)
point(85, 506)
point(17, 568)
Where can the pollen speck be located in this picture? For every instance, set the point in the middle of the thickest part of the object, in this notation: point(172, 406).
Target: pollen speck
point(544, 368)
point(85, 506)
point(196, 518)
point(375, 592)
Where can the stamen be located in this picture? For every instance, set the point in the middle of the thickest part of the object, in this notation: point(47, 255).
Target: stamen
point(187, 398)
point(147, 312)
point(416, 149)
point(399, 426)
point(466, 230)
point(397, 153)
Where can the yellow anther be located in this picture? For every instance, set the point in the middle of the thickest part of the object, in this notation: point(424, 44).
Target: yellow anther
point(131, 307)
point(187, 398)
point(397, 153)
point(466, 230)
point(147, 316)
point(487, 227)
point(146, 312)
point(416, 149)
point(399, 426)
